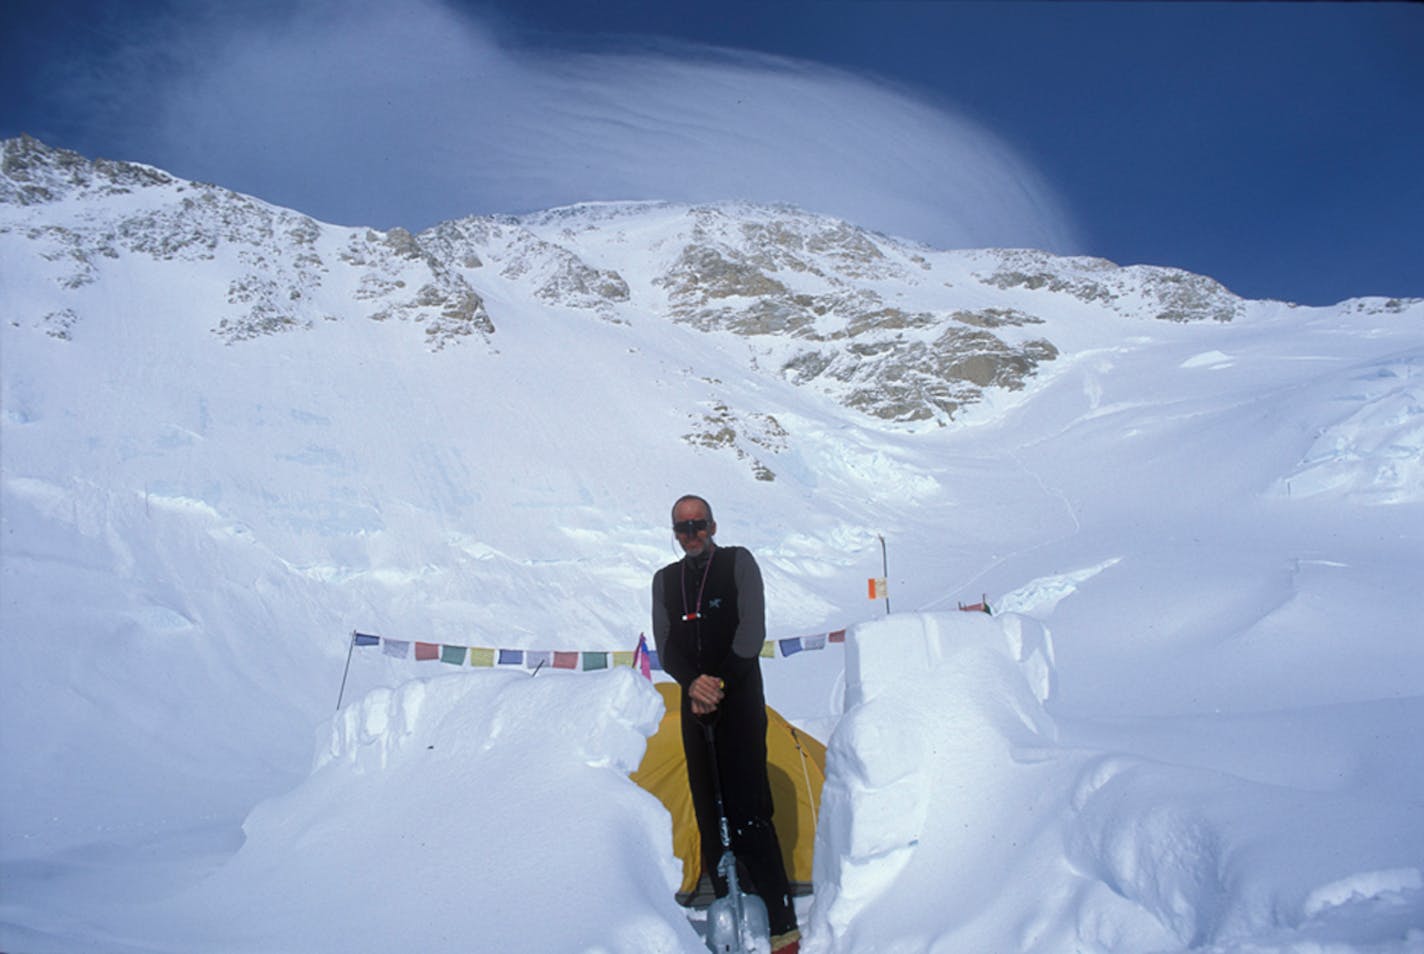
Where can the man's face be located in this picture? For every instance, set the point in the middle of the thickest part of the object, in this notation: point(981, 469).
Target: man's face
point(693, 543)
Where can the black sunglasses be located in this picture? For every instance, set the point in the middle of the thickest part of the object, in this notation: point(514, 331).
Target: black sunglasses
point(688, 527)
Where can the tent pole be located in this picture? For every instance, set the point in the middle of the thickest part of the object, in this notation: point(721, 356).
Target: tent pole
point(810, 793)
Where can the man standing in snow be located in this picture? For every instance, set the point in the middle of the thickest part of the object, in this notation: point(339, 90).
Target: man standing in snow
point(709, 623)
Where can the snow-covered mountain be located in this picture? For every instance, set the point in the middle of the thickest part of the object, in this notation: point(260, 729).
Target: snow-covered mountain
point(898, 331)
point(232, 434)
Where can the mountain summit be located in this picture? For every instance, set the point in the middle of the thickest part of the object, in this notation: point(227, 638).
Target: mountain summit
point(897, 331)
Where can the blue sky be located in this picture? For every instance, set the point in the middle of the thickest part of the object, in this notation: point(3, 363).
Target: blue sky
point(1277, 147)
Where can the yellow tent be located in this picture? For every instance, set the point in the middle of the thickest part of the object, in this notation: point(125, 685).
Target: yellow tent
point(796, 766)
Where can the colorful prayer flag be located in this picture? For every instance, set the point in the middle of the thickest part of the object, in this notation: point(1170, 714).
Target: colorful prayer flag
point(876, 588)
point(644, 658)
point(980, 607)
point(640, 657)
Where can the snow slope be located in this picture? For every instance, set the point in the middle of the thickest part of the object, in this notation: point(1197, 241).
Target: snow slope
point(232, 435)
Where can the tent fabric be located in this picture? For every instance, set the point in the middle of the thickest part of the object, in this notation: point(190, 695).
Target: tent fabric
point(796, 767)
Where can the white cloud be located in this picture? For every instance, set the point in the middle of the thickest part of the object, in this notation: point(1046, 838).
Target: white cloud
point(414, 113)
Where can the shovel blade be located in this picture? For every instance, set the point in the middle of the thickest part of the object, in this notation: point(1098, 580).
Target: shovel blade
point(726, 936)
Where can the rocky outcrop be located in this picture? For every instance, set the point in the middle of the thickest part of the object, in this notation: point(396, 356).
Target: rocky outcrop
point(896, 331)
point(1167, 294)
point(278, 262)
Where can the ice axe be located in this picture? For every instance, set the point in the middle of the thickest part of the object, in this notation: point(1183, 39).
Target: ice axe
point(736, 924)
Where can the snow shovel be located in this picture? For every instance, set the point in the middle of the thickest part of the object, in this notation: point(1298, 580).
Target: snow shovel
point(736, 924)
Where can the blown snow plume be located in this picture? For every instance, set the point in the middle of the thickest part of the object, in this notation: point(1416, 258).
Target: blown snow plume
point(487, 125)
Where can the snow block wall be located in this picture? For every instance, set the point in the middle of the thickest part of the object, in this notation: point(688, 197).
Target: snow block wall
point(483, 811)
point(958, 815)
point(943, 716)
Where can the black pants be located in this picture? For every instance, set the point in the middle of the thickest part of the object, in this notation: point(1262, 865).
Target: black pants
point(740, 735)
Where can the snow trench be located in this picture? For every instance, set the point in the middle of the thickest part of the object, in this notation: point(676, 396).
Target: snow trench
point(497, 808)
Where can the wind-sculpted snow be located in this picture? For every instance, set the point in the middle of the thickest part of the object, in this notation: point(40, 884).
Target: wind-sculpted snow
point(1176, 843)
point(1374, 451)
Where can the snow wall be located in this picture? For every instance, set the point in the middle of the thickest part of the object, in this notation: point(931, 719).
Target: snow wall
point(943, 719)
point(482, 811)
point(488, 810)
point(958, 816)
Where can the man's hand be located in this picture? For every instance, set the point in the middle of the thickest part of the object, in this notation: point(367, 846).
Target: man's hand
point(704, 695)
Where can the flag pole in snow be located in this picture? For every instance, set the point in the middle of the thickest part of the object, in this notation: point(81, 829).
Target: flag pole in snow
point(885, 569)
point(349, 649)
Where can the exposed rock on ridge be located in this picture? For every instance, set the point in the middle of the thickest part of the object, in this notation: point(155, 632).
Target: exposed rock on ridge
point(282, 258)
point(895, 330)
point(1173, 294)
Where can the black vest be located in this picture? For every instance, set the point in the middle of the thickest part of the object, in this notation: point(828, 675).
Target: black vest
point(700, 630)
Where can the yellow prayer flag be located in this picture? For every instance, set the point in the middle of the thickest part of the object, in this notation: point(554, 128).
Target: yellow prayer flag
point(481, 657)
point(622, 659)
point(768, 649)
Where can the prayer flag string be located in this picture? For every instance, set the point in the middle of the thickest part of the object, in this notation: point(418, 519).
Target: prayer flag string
point(643, 657)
